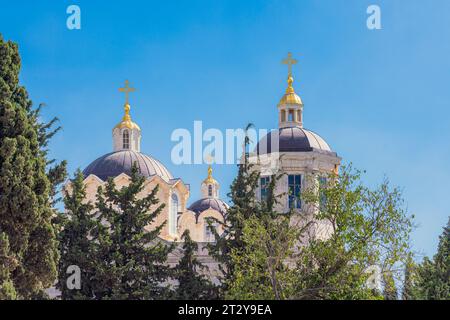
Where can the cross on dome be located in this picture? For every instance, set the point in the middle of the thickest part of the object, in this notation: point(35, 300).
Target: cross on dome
point(127, 89)
point(289, 61)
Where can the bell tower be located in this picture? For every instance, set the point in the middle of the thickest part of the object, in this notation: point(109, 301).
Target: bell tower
point(210, 187)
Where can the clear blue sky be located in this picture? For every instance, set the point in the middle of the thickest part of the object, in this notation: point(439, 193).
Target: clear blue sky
point(380, 98)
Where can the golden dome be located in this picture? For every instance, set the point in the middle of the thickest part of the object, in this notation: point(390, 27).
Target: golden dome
point(126, 120)
point(290, 97)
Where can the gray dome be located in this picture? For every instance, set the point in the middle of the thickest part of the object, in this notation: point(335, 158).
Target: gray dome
point(115, 163)
point(293, 139)
point(209, 203)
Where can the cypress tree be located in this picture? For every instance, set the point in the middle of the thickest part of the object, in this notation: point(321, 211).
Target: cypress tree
point(192, 285)
point(26, 188)
point(7, 264)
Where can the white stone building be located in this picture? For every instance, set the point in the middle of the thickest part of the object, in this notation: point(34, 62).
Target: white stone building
point(292, 150)
point(300, 155)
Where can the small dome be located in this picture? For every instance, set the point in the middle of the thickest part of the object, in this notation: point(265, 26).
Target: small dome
point(127, 124)
point(126, 120)
point(115, 163)
point(290, 98)
point(209, 203)
point(294, 139)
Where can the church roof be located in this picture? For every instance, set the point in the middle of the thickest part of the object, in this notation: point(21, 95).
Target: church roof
point(209, 203)
point(115, 163)
point(293, 139)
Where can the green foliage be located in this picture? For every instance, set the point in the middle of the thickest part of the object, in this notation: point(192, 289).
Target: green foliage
point(7, 264)
point(192, 284)
point(262, 267)
point(283, 257)
point(433, 275)
point(130, 259)
point(368, 227)
point(77, 245)
point(389, 288)
point(409, 290)
point(242, 195)
point(27, 189)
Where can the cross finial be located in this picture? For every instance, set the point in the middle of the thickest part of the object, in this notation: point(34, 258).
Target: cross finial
point(127, 89)
point(290, 62)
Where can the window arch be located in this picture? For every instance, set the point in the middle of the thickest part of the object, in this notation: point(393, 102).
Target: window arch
point(173, 215)
point(208, 233)
point(126, 139)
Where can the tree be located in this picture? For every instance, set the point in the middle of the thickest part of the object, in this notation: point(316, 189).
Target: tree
point(192, 284)
point(7, 264)
point(409, 291)
point(242, 194)
point(344, 229)
point(261, 269)
point(77, 240)
point(131, 260)
point(368, 227)
point(26, 187)
point(433, 281)
point(389, 288)
point(263, 265)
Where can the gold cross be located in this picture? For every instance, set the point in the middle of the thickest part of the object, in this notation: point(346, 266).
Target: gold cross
point(290, 62)
point(127, 89)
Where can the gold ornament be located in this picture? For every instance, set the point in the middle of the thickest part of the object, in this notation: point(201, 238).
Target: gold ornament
point(290, 97)
point(126, 120)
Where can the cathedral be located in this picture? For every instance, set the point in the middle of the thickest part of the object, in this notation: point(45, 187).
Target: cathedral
point(292, 150)
point(173, 192)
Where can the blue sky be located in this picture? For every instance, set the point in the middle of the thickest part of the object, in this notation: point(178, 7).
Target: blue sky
point(380, 98)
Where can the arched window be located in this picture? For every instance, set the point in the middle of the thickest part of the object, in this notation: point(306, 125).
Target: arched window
point(126, 139)
point(291, 115)
point(283, 115)
point(210, 190)
point(173, 216)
